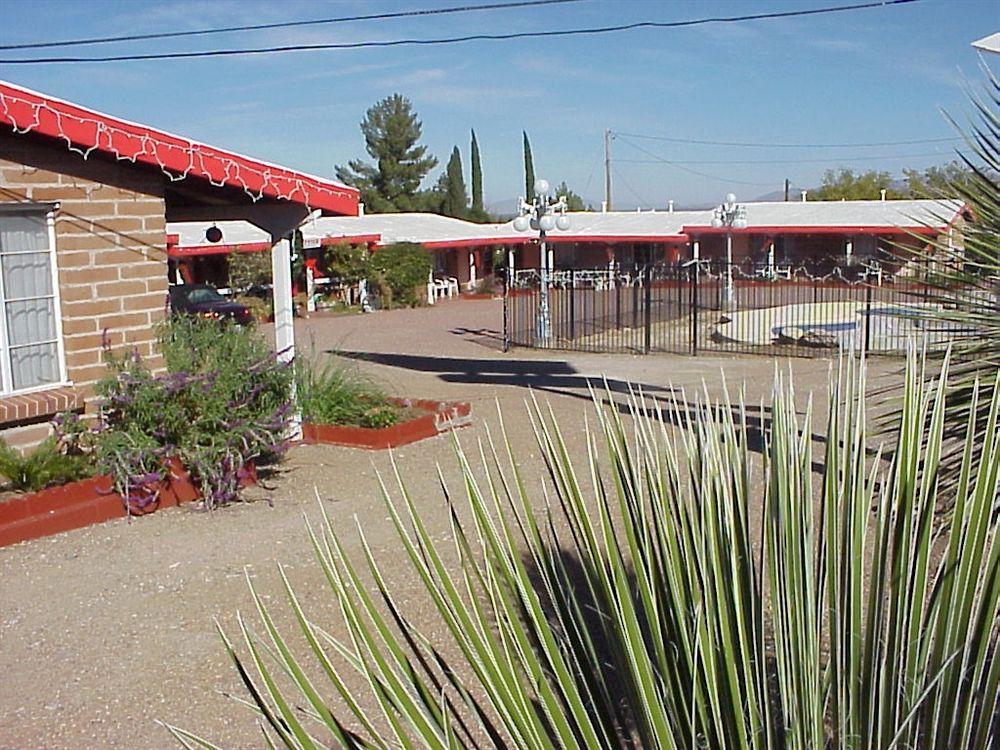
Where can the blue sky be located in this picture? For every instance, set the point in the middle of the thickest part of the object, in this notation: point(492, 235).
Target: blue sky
point(872, 75)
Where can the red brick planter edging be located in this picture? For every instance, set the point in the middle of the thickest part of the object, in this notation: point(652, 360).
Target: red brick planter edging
point(87, 502)
point(441, 416)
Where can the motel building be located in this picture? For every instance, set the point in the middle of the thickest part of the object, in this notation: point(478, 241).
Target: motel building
point(85, 250)
point(778, 237)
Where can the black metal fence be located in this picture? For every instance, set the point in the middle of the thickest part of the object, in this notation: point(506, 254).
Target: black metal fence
point(706, 307)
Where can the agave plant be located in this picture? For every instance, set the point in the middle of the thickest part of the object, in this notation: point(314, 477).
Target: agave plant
point(637, 605)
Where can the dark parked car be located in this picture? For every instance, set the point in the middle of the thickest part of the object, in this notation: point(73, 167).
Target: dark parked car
point(206, 302)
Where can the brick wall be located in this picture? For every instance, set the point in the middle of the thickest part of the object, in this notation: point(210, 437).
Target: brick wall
point(110, 246)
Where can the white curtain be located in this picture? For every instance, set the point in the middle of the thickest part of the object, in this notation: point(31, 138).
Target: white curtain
point(29, 304)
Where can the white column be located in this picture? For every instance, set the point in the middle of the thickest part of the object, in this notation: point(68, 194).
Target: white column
point(848, 251)
point(770, 259)
point(430, 287)
point(696, 250)
point(472, 271)
point(310, 290)
point(284, 319)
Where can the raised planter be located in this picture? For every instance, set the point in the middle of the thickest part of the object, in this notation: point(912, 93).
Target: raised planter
point(440, 416)
point(87, 502)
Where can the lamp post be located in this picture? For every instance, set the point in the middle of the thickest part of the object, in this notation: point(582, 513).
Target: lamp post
point(730, 215)
point(543, 215)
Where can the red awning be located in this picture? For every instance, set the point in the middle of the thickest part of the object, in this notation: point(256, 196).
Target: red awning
point(86, 131)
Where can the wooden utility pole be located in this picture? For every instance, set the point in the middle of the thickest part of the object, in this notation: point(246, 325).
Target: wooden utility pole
point(607, 170)
point(788, 184)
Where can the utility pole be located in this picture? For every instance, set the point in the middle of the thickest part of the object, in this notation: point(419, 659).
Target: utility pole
point(607, 170)
point(788, 184)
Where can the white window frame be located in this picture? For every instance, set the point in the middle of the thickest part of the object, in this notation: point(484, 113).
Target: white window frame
point(6, 377)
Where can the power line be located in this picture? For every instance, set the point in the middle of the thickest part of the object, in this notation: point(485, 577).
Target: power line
point(784, 161)
point(683, 168)
point(642, 201)
point(286, 24)
point(749, 144)
point(593, 30)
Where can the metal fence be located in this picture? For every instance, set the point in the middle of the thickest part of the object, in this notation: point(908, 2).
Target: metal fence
point(707, 307)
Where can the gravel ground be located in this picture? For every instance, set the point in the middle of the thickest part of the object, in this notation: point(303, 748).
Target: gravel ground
point(105, 630)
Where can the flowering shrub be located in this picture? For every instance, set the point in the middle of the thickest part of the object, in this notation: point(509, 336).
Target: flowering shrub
point(223, 403)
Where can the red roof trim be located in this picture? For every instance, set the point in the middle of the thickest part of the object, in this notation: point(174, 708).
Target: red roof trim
point(354, 239)
point(85, 131)
point(185, 251)
point(812, 230)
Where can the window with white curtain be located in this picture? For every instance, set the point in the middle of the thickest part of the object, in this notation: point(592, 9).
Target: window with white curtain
point(30, 346)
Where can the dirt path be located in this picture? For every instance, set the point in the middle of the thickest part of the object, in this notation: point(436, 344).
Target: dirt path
point(106, 629)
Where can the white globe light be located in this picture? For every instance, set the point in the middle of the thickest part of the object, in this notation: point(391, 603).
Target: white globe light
point(730, 197)
point(521, 223)
point(547, 223)
point(541, 187)
point(716, 222)
point(562, 223)
point(740, 224)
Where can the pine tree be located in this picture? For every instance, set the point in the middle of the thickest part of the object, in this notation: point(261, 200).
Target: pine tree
point(529, 169)
point(391, 131)
point(477, 177)
point(451, 187)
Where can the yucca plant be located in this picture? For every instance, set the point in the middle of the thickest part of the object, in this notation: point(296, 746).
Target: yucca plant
point(636, 605)
point(964, 275)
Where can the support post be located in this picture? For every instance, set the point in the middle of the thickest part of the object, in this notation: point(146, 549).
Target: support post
point(284, 315)
point(694, 304)
point(544, 316)
point(310, 290)
point(607, 171)
point(572, 305)
point(730, 290)
point(648, 313)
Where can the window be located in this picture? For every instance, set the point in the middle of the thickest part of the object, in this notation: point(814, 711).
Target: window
point(30, 341)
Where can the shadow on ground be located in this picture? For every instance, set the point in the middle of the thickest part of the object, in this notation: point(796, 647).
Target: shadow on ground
point(560, 377)
point(554, 376)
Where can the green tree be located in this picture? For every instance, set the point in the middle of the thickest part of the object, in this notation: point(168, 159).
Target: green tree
point(938, 182)
point(529, 169)
point(844, 184)
point(392, 132)
point(477, 176)
point(249, 269)
point(451, 187)
point(574, 202)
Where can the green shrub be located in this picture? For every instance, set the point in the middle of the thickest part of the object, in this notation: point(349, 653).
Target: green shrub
point(249, 269)
point(341, 395)
point(224, 402)
point(346, 262)
point(399, 274)
point(633, 604)
point(46, 465)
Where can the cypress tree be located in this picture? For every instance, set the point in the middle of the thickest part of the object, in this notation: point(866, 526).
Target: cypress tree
point(477, 177)
point(454, 199)
point(529, 169)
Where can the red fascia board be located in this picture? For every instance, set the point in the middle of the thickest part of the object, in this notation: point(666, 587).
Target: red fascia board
point(672, 239)
point(812, 230)
point(555, 240)
point(354, 239)
point(186, 251)
point(85, 130)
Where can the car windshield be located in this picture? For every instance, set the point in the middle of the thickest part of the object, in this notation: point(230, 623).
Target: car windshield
point(201, 295)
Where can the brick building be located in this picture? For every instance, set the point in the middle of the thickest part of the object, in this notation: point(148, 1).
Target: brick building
point(84, 202)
